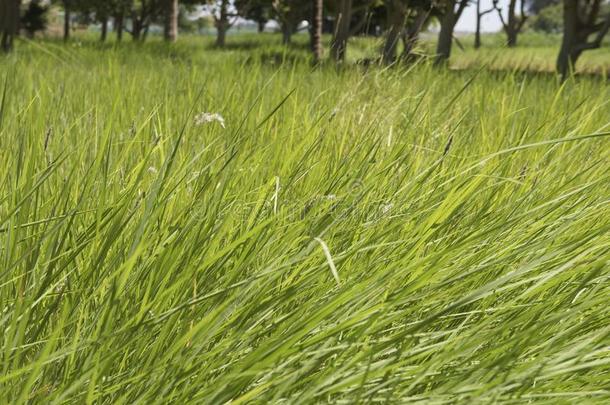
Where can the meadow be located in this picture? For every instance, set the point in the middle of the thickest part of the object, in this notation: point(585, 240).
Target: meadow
point(180, 224)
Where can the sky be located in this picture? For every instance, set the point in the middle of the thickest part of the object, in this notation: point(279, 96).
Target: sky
point(489, 23)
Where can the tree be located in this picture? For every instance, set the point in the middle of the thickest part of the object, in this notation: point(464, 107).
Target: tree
point(35, 18)
point(221, 21)
point(515, 23)
point(9, 23)
point(84, 7)
point(451, 11)
point(316, 30)
point(170, 26)
point(102, 10)
point(343, 19)
point(536, 6)
point(259, 11)
point(289, 13)
point(104, 28)
point(120, 10)
point(67, 18)
point(143, 13)
point(396, 15)
point(404, 21)
point(581, 20)
point(222, 13)
point(415, 23)
point(480, 14)
point(548, 20)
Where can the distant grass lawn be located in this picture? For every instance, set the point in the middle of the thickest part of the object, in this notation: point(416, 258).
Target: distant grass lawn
point(534, 53)
point(182, 224)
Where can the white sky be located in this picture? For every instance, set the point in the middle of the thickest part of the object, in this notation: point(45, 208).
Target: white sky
point(489, 23)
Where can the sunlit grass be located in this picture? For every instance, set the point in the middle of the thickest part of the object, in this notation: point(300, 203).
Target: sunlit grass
point(351, 235)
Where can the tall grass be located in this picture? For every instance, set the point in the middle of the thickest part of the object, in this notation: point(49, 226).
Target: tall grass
point(351, 235)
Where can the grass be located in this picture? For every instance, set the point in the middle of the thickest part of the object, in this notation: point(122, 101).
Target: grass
point(534, 53)
point(352, 235)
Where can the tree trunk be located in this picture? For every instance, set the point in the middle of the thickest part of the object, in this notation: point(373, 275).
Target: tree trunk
point(136, 28)
point(342, 25)
point(513, 25)
point(396, 21)
point(411, 36)
point(171, 21)
point(568, 54)
point(477, 33)
point(9, 23)
point(445, 36)
point(118, 26)
point(316, 30)
point(104, 33)
point(479, 16)
point(222, 24)
point(144, 35)
point(286, 33)
point(261, 26)
point(221, 37)
point(580, 21)
point(67, 16)
point(140, 22)
point(512, 38)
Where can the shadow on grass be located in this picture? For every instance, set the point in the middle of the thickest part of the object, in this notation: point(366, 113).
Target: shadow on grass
point(249, 45)
point(502, 73)
point(276, 58)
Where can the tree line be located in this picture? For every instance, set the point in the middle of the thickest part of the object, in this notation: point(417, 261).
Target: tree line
point(584, 23)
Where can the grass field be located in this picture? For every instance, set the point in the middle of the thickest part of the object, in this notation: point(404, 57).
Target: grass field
point(534, 53)
point(351, 235)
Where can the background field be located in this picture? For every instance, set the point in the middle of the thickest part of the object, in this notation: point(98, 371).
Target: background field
point(351, 234)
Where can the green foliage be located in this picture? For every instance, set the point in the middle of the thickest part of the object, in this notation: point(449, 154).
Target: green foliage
point(150, 256)
point(34, 18)
point(536, 6)
point(291, 12)
point(259, 11)
point(185, 24)
point(548, 19)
